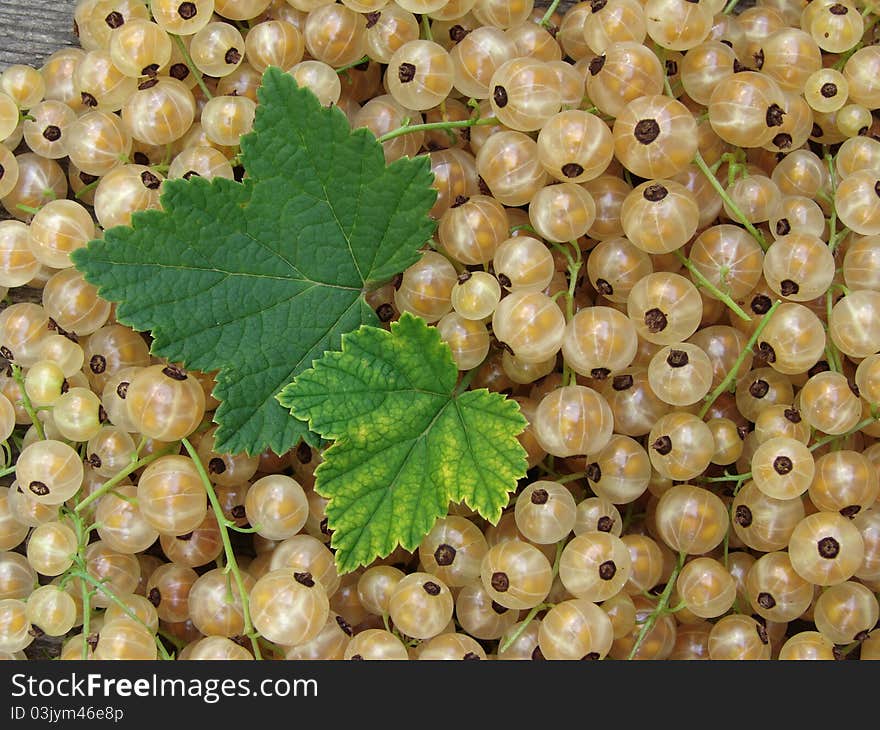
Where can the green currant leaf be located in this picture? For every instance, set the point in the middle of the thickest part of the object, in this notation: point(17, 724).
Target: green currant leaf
point(259, 278)
point(406, 441)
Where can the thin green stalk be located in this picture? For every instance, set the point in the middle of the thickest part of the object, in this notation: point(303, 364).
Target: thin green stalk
point(231, 562)
point(737, 213)
point(429, 126)
point(7, 453)
point(84, 576)
point(530, 616)
point(832, 177)
point(87, 617)
point(709, 286)
point(465, 381)
point(841, 62)
point(835, 240)
point(343, 69)
point(660, 609)
point(731, 374)
point(545, 20)
point(660, 52)
point(726, 544)
point(730, 478)
point(27, 209)
point(728, 9)
point(178, 643)
point(858, 427)
point(193, 69)
point(835, 361)
point(18, 377)
point(523, 227)
point(133, 466)
point(540, 607)
point(426, 28)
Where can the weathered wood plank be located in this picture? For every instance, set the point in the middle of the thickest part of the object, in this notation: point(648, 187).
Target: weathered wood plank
point(31, 30)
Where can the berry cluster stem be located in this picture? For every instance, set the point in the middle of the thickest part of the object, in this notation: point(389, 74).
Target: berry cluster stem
point(710, 287)
point(530, 616)
point(858, 427)
point(734, 208)
point(193, 69)
point(731, 374)
point(429, 126)
point(231, 562)
point(18, 377)
point(545, 20)
point(132, 467)
point(660, 609)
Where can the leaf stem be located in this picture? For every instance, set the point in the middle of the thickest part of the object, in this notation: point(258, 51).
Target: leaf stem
point(735, 209)
point(231, 562)
point(18, 377)
point(193, 69)
point(731, 374)
point(428, 126)
point(465, 381)
point(660, 608)
point(709, 286)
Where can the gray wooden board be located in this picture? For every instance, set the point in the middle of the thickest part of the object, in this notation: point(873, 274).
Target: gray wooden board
point(31, 30)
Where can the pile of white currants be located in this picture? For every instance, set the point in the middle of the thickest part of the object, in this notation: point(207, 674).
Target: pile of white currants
point(658, 231)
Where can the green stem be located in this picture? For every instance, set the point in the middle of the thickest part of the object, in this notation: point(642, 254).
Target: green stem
point(465, 381)
point(660, 608)
point(841, 62)
point(709, 286)
point(858, 427)
point(726, 546)
point(734, 208)
point(429, 126)
point(343, 69)
point(540, 607)
point(27, 208)
point(728, 9)
point(545, 21)
point(193, 69)
point(530, 616)
point(100, 586)
point(133, 466)
point(730, 478)
point(87, 617)
point(832, 176)
point(837, 239)
point(426, 28)
point(18, 377)
point(172, 639)
point(231, 562)
point(835, 360)
point(731, 374)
